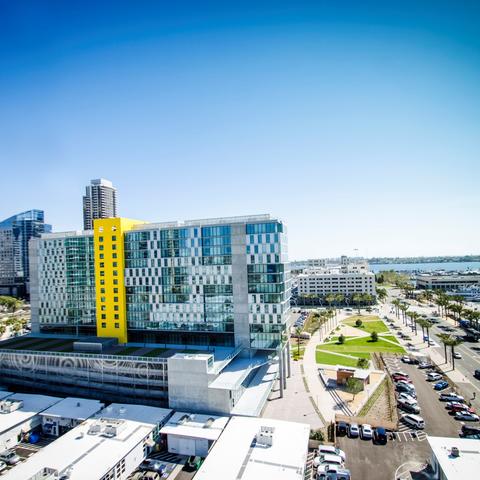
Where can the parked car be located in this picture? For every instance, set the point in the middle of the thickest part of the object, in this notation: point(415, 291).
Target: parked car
point(408, 405)
point(328, 459)
point(380, 436)
point(476, 374)
point(469, 430)
point(406, 359)
point(405, 384)
point(152, 465)
point(367, 431)
point(402, 374)
point(9, 457)
point(425, 365)
point(458, 407)
point(342, 428)
point(353, 430)
point(397, 378)
point(406, 396)
point(406, 388)
point(441, 385)
point(451, 397)
point(415, 421)
point(3, 466)
point(433, 376)
point(150, 475)
point(328, 472)
point(457, 355)
point(330, 449)
point(466, 416)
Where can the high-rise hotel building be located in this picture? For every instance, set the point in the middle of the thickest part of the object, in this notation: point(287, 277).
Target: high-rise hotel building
point(99, 201)
point(216, 282)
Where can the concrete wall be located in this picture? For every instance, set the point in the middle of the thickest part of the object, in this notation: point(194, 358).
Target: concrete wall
point(34, 283)
point(240, 285)
point(188, 380)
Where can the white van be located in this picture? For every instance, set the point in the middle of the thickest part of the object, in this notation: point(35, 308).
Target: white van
point(415, 421)
point(331, 450)
point(433, 377)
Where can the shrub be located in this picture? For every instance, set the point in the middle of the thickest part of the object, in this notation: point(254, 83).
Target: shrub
point(362, 363)
point(341, 339)
point(358, 323)
point(316, 435)
point(374, 336)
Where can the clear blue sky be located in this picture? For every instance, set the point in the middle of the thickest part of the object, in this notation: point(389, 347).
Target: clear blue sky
point(358, 123)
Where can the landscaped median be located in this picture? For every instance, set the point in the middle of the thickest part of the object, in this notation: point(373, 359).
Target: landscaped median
point(358, 343)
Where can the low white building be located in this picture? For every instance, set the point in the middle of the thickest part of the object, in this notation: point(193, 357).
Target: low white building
point(454, 458)
point(193, 434)
point(109, 446)
point(254, 448)
point(20, 414)
point(67, 414)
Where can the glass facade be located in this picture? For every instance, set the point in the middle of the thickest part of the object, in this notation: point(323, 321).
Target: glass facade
point(15, 233)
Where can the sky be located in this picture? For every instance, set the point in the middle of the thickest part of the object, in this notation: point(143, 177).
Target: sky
point(356, 123)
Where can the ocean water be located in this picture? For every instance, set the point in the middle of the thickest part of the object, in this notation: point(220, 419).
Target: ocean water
point(427, 267)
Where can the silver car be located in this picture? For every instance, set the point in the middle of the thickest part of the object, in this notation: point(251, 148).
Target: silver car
point(9, 457)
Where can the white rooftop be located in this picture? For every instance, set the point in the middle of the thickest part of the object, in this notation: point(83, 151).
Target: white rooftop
point(466, 465)
point(72, 407)
point(190, 425)
point(236, 457)
point(32, 406)
point(136, 413)
point(91, 456)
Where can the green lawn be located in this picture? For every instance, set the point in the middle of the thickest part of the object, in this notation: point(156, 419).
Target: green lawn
point(155, 352)
point(369, 324)
point(330, 359)
point(364, 344)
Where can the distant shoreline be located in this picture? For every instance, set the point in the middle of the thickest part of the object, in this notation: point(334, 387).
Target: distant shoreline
point(413, 260)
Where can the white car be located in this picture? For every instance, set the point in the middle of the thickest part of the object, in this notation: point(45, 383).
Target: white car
point(457, 355)
point(328, 472)
point(405, 396)
point(451, 397)
point(367, 431)
point(330, 449)
point(328, 459)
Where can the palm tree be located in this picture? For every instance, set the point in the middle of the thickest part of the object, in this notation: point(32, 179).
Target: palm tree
point(298, 332)
point(339, 299)
point(381, 294)
point(425, 324)
point(414, 316)
point(330, 298)
point(452, 342)
point(404, 309)
point(396, 303)
point(357, 299)
point(457, 310)
point(445, 339)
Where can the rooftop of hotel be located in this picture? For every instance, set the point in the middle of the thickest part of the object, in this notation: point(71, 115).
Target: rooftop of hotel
point(73, 407)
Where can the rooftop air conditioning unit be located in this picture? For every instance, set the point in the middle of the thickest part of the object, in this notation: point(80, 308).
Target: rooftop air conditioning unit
point(455, 452)
point(9, 406)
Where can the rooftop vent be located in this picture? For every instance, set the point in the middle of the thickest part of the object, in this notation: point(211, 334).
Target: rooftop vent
point(209, 422)
point(265, 436)
point(455, 452)
point(9, 406)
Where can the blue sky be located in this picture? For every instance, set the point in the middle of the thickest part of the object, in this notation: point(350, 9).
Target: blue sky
point(358, 123)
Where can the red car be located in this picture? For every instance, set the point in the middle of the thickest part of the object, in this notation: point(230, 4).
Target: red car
point(398, 378)
point(459, 407)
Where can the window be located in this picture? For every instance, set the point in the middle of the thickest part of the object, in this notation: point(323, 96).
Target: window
point(102, 281)
point(102, 290)
point(115, 273)
point(102, 264)
point(114, 247)
point(114, 264)
point(116, 316)
point(115, 307)
point(114, 255)
point(115, 299)
point(104, 325)
point(101, 256)
point(117, 325)
point(115, 281)
point(103, 308)
point(100, 239)
point(115, 290)
point(104, 316)
point(102, 299)
point(100, 247)
point(102, 273)
point(114, 238)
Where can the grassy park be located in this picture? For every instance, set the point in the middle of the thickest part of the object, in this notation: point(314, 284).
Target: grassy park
point(333, 352)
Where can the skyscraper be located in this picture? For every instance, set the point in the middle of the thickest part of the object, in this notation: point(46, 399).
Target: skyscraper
point(15, 233)
point(99, 201)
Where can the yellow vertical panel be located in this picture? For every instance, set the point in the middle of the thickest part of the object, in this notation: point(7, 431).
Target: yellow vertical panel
point(110, 292)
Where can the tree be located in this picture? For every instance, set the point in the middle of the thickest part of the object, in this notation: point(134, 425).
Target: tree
point(298, 332)
point(445, 339)
point(357, 300)
point(341, 339)
point(404, 309)
point(3, 329)
point(381, 294)
point(454, 342)
point(457, 310)
point(396, 303)
point(358, 322)
point(362, 363)
point(374, 336)
point(353, 386)
point(426, 325)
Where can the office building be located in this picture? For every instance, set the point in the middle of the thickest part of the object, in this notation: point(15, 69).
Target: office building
point(141, 294)
point(108, 446)
point(15, 234)
point(253, 448)
point(447, 282)
point(99, 201)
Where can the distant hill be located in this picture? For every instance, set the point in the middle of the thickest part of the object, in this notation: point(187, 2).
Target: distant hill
point(461, 258)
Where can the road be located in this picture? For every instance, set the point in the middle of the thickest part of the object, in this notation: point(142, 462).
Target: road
point(464, 367)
